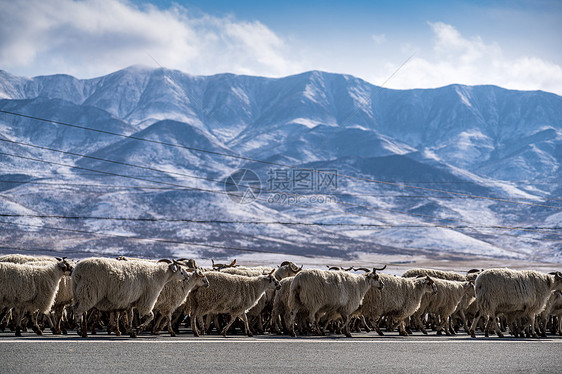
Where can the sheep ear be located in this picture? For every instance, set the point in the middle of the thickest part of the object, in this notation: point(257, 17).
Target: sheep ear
point(58, 259)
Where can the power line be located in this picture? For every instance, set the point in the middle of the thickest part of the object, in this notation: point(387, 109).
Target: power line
point(224, 192)
point(124, 187)
point(214, 180)
point(285, 223)
point(505, 200)
point(159, 240)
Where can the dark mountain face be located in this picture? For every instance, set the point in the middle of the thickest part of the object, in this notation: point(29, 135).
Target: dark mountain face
point(425, 158)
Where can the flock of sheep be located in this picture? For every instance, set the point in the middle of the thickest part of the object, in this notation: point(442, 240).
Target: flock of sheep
point(140, 294)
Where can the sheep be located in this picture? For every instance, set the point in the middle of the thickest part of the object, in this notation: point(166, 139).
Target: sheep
point(113, 285)
point(265, 303)
point(327, 292)
point(280, 313)
point(63, 297)
point(439, 274)
point(399, 299)
point(173, 295)
point(228, 294)
point(223, 266)
point(442, 303)
point(553, 308)
point(508, 291)
point(286, 269)
point(31, 288)
point(22, 259)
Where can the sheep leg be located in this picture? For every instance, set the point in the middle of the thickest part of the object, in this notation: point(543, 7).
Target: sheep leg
point(36, 327)
point(533, 332)
point(497, 329)
point(130, 317)
point(230, 322)
point(82, 324)
point(464, 321)
point(211, 318)
point(246, 325)
point(58, 313)
point(292, 322)
point(146, 322)
point(443, 325)
point(323, 328)
point(419, 323)
point(116, 322)
point(156, 328)
point(364, 323)
point(260, 324)
point(474, 324)
point(377, 327)
point(402, 328)
point(18, 315)
point(194, 325)
point(170, 329)
point(346, 327)
point(314, 318)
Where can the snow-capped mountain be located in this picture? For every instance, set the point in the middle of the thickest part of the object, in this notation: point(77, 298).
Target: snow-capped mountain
point(456, 171)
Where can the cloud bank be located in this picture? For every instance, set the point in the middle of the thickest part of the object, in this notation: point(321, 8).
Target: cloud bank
point(95, 37)
point(454, 58)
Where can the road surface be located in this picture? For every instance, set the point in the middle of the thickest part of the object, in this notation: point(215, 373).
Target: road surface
point(365, 352)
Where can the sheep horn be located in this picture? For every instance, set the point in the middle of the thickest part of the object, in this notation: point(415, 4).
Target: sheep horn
point(272, 271)
point(284, 263)
point(348, 269)
point(473, 271)
point(375, 269)
point(363, 269)
point(58, 259)
point(165, 260)
point(232, 263)
point(334, 268)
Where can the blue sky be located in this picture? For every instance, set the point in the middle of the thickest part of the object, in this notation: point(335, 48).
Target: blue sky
point(514, 44)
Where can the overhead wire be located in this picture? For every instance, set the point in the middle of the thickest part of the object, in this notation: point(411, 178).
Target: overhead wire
point(402, 185)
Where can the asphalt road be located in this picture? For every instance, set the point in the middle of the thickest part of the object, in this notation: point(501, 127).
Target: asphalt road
point(238, 354)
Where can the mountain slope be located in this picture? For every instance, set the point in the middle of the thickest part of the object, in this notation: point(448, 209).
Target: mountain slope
point(447, 171)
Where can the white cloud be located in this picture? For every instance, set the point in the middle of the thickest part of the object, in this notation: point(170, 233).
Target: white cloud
point(94, 37)
point(455, 58)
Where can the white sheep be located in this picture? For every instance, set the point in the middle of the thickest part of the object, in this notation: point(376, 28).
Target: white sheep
point(113, 285)
point(173, 295)
point(320, 292)
point(31, 288)
point(399, 299)
point(513, 292)
point(228, 294)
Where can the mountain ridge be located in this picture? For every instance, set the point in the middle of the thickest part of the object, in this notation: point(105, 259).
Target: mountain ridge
point(424, 148)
